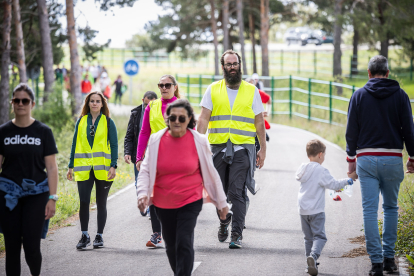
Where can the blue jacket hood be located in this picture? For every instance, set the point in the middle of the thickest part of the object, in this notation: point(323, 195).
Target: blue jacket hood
point(382, 88)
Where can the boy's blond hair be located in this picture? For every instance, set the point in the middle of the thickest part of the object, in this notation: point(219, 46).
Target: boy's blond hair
point(314, 147)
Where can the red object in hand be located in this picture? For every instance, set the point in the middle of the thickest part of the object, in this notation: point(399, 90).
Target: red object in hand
point(337, 198)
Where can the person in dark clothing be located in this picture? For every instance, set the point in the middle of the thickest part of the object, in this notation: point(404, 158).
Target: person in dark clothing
point(28, 183)
point(379, 123)
point(118, 89)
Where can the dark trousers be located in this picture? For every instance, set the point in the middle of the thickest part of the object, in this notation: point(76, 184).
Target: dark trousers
point(233, 178)
point(102, 191)
point(23, 224)
point(155, 223)
point(178, 231)
point(118, 97)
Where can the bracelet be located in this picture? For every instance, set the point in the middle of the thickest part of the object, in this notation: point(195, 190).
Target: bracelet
point(350, 181)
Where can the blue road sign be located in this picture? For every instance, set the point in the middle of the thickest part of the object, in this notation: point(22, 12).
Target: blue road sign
point(131, 67)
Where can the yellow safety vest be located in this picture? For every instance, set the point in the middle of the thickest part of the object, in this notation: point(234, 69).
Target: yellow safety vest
point(98, 157)
point(236, 124)
point(156, 118)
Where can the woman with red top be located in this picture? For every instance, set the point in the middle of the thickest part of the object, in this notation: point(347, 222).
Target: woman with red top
point(153, 122)
point(177, 186)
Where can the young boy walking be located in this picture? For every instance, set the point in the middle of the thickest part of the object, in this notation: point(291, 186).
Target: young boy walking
point(314, 179)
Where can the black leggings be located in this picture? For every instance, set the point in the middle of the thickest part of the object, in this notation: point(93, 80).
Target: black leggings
point(23, 224)
point(155, 222)
point(102, 191)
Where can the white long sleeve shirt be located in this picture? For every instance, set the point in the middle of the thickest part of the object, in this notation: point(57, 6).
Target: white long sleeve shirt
point(314, 179)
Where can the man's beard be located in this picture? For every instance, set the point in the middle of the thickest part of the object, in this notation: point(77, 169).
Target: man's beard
point(232, 79)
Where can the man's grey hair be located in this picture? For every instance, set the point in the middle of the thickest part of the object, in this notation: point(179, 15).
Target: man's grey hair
point(378, 65)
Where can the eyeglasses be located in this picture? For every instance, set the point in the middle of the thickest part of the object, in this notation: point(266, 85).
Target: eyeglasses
point(166, 85)
point(24, 101)
point(229, 65)
point(181, 118)
point(92, 128)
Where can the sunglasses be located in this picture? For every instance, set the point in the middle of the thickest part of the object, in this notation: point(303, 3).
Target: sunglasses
point(92, 128)
point(24, 101)
point(166, 85)
point(181, 118)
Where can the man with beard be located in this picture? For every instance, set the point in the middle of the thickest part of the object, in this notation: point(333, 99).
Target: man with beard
point(233, 113)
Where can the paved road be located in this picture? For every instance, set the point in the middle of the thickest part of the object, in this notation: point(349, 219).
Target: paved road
point(272, 244)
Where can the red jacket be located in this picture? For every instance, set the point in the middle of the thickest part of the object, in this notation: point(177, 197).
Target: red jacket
point(86, 86)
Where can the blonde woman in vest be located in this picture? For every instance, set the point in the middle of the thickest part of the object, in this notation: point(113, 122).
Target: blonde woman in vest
point(153, 122)
point(232, 111)
point(93, 159)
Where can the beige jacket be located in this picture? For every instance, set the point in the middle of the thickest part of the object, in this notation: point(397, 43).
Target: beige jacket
point(213, 189)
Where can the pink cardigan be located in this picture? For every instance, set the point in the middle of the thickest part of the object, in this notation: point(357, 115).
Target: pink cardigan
point(213, 189)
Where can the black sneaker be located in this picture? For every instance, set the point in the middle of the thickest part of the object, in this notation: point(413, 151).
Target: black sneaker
point(312, 265)
point(223, 232)
point(235, 240)
point(98, 242)
point(389, 265)
point(83, 242)
point(376, 269)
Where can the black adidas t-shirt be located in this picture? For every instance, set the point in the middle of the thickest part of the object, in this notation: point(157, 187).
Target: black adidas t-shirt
point(24, 150)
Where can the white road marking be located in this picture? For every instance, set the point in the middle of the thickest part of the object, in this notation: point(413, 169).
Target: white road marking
point(117, 193)
point(196, 264)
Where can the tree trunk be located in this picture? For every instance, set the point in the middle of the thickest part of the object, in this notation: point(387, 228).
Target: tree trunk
point(75, 74)
point(240, 22)
point(214, 30)
point(355, 42)
point(252, 38)
point(47, 52)
point(225, 25)
point(264, 35)
point(337, 67)
point(21, 60)
point(384, 47)
point(5, 61)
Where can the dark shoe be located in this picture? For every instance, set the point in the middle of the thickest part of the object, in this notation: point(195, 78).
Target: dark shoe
point(84, 242)
point(223, 232)
point(389, 265)
point(235, 240)
point(312, 265)
point(376, 269)
point(98, 242)
point(145, 212)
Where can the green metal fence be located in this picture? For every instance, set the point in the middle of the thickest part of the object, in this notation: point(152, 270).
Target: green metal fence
point(315, 100)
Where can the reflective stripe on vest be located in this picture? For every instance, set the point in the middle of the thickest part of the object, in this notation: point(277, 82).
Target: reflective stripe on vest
point(98, 157)
point(236, 124)
point(156, 118)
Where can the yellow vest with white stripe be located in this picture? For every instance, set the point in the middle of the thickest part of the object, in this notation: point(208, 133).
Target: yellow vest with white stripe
point(98, 157)
point(236, 124)
point(156, 118)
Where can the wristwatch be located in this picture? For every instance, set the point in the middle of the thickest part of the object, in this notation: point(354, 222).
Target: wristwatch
point(54, 197)
point(350, 181)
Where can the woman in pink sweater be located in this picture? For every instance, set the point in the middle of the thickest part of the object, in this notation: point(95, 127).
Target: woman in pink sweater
point(176, 175)
point(152, 123)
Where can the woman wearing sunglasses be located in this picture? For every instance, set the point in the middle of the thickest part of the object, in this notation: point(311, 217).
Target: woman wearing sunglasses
point(27, 192)
point(93, 159)
point(153, 122)
point(176, 188)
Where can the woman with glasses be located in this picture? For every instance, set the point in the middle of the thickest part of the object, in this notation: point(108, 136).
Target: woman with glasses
point(176, 188)
point(93, 159)
point(27, 192)
point(153, 122)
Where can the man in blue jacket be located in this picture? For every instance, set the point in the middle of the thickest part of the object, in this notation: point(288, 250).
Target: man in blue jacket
point(379, 123)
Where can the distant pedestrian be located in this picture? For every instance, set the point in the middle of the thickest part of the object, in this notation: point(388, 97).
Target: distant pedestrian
point(380, 122)
point(153, 122)
point(58, 74)
point(86, 86)
point(257, 81)
point(28, 183)
point(118, 89)
point(105, 82)
point(314, 179)
point(267, 100)
point(93, 159)
point(134, 129)
point(64, 71)
point(175, 185)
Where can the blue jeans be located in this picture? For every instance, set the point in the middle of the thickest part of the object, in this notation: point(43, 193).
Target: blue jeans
point(380, 174)
point(136, 175)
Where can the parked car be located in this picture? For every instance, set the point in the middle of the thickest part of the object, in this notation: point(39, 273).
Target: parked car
point(305, 35)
